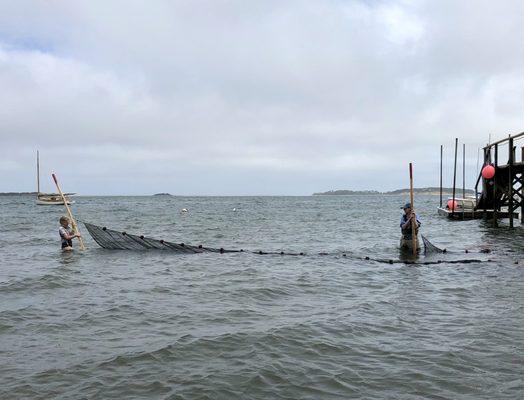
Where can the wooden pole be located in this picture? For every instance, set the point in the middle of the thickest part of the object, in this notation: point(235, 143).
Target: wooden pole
point(522, 190)
point(495, 200)
point(477, 171)
point(454, 179)
point(463, 176)
point(73, 222)
point(487, 160)
point(413, 220)
point(37, 173)
point(441, 151)
point(510, 181)
point(478, 160)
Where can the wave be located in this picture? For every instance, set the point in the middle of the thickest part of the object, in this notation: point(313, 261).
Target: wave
point(48, 281)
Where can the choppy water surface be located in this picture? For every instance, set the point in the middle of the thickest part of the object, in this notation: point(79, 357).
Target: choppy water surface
point(119, 324)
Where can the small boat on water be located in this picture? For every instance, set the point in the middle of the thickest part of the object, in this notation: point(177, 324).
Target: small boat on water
point(466, 208)
point(53, 199)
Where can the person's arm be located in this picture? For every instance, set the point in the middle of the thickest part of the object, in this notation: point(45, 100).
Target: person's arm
point(74, 235)
point(407, 223)
point(67, 236)
point(417, 223)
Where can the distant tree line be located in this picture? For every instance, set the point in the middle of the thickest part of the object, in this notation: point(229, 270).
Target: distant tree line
point(425, 190)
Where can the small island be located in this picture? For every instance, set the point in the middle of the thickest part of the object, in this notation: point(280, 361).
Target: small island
point(162, 194)
point(425, 190)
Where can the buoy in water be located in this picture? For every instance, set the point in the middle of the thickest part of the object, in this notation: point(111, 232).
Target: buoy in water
point(488, 171)
point(184, 210)
point(452, 204)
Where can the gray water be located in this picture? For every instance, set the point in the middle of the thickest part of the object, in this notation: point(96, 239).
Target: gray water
point(118, 324)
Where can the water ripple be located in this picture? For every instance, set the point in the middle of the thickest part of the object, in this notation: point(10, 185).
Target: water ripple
point(109, 324)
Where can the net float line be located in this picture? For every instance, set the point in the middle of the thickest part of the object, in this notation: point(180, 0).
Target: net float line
point(117, 240)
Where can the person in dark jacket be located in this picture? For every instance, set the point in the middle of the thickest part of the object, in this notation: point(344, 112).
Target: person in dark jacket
point(406, 241)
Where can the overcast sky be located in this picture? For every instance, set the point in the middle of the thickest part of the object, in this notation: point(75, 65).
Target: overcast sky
point(252, 97)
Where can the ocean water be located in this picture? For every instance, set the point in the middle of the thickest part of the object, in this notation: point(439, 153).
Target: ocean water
point(106, 324)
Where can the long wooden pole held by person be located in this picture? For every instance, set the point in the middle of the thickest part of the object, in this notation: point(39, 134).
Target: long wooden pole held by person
point(413, 220)
point(73, 222)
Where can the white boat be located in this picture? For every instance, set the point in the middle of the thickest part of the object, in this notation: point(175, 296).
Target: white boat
point(466, 208)
point(53, 199)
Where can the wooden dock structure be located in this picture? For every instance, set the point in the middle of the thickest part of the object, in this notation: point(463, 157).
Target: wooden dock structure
point(506, 188)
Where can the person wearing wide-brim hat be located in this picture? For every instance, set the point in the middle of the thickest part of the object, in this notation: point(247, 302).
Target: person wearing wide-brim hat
point(406, 241)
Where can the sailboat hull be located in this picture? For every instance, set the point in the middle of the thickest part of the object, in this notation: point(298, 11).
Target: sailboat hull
point(53, 202)
point(48, 199)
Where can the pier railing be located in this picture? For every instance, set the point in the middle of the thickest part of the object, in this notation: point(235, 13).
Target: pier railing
point(500, 190)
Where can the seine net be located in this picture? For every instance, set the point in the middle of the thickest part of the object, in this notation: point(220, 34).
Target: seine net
point(429, 247)
point(114, 240)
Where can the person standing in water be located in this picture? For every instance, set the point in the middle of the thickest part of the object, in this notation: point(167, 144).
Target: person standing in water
point(406, 242)
point(66, 234)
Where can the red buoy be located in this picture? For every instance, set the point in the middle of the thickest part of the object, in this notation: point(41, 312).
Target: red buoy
point(488, 171)
point(452, 205)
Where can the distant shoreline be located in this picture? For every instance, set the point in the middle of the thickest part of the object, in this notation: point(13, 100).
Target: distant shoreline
point(434, 191)
point(18, 193)
point(426, 191)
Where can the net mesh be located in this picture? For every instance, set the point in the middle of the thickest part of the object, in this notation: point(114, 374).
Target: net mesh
point(429, 247)
point(115, 240)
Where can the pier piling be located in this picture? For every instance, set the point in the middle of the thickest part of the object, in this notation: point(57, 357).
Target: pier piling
point(510, 180)
point(503, 194)
point(454, 178)
point(522, 189)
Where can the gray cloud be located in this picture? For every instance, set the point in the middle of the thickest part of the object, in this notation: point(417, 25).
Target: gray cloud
point(236, 97)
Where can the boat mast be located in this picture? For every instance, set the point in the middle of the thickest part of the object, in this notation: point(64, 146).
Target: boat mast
point(38, 172)
point(454, 178)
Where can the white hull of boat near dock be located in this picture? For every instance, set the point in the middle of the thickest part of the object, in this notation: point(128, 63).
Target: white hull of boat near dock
point(472, 214)
point(465, 209)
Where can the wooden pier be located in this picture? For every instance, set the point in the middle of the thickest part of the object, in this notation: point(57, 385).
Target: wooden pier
point(506, 189)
